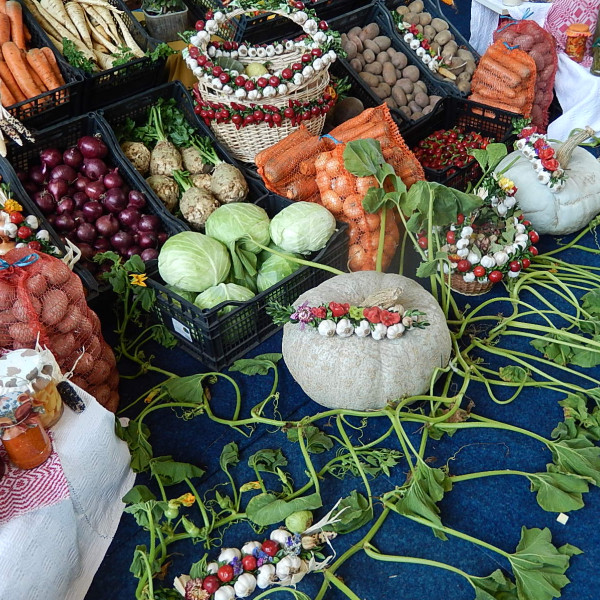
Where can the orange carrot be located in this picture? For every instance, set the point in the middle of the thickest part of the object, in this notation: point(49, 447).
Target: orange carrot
point(7, 98)
point(18, 66)
point(501, 105)
point(307, 167)
point(302, 188)
point(53, 64)
point(14, 12)
point(276, 150)
point(10, 83)
point(4, 28)
point(27, 33)
point(275, 170)
point(39, 64)
point(3, 6)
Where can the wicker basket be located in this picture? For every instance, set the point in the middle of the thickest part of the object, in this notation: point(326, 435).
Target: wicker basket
point(247, 141)
point(469, 288)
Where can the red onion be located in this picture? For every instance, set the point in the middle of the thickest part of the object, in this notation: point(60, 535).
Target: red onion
point(107, 225)
point(58, 188)
point(81, 182)
point(80, 198)
point(113, 180)
point(148, 223)
point(121, 241)
point(94, 168)
point(149, 254)
point(136, 199)
point(31, 187)
point(86, 232)
point(114, 200)
point(65, 205)
point(51, 157)
point(163, 236)
point(87, 252)
point(101, 244)
point(73, 157)
point(129, 217)
point(92, 146)
point(64, 222)
point(36, 174)
point(94, 190)
point(131, 251)
point(78, 216)
point(63, 172)
point(147, 239)
point(92, 210)
point(51, 218)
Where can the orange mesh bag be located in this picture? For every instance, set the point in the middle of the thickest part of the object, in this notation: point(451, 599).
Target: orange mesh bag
point(540, 45)
point(342, 194)
point(287, 167)
point(505, 78)
point(41, 299)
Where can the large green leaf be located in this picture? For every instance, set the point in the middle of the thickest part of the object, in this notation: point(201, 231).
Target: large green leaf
point(363, 157)
point(259, 365)
point(229, 456)
point(316, 441)
point(354, 511)
point(578, 456)
point(186, 389)
point(266, 509)
point(558, 492)
point(539, 566)
point(171, 472)
point(136, 438)
point(267, 460)
point(496, 586)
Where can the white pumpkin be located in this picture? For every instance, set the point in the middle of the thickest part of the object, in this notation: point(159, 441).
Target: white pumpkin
point(361, 373)
point(563, 212)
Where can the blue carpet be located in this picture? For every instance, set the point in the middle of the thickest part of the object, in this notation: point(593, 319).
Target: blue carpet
point(493, 508)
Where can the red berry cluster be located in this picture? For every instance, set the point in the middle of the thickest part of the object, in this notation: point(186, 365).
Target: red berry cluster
point(449, 148)
point(241, 115)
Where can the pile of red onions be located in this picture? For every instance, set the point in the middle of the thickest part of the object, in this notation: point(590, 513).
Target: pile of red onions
point(90, 204)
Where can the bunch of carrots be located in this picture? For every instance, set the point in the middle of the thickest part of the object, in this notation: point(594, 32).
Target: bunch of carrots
point(94, 28)
point(24, 74)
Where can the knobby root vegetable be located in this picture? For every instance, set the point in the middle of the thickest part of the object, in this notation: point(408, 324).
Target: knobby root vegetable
point(166, 189)
point(197, 205)
point(164, 159)
point(228, 184)
point(193, 162)
point(201, 180)
point(138, 155)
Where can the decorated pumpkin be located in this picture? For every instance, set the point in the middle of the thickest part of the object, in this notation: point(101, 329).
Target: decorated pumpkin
point(558, 187)
point(361, 340)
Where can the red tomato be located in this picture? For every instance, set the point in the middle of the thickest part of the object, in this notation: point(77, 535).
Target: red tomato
point(16, 218)
point(533, 250)
point(450, 237)
point(460, 219)
point(515, 266)
point(423, 243)
point(225, 573)
point(479, 271)
point(534, 237)
point(34, 245)
point(249, 563)
point(270, 547)
point(526, 223)
point(24, 232)
point(495, 276)
point(526, 262)
point(463, 266)
point(211, 583)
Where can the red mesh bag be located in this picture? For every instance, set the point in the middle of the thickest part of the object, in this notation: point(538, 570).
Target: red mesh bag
point(540, 45)
point(505, 78)
point(41, 299)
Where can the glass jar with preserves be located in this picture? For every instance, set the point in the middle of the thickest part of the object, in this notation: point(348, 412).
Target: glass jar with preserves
point(577, 36)
point(25, 440)
point(47, 395)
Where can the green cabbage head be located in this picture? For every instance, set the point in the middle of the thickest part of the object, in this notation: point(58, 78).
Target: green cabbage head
point(223, 293)
point(274, 269)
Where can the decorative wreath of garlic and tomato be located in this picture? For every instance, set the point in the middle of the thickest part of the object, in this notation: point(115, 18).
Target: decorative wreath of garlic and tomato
point(219, 64)
point(343, 320)
point(535, 147)
point(494, 242)
point(421, 46)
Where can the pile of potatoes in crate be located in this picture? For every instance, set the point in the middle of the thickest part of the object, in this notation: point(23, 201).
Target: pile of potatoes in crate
point(459, 63)
point(387, 72)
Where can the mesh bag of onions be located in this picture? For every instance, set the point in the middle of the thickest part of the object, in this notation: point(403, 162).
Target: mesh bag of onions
point(41, 299)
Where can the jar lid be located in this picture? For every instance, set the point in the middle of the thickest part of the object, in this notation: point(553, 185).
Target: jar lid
point(38, 369)
point(578, 29)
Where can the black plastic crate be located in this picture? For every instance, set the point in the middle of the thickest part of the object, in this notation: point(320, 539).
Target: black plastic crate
point(472, 116)
point(432, 7)
point(105, 87)
point(377, 13)
point(217, 341)
point(66, 134)
point(55, 105)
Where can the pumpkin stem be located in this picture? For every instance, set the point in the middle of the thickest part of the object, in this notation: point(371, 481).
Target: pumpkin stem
point(563, 156)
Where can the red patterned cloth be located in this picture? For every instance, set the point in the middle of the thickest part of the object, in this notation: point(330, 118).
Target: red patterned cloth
point(23, 491)
point(565, 12)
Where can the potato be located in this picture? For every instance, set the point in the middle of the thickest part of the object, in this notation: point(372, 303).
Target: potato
point(389, 73)
point(457, 66)
point(470, 67)
point(439, 24)
point(464, 86)
point(371, 45)
point(429, 32)
point(417, 6)
point(383, 57)
point(464, 76)
point(356, 64)
point(383, 41)
point(371, 31)
point(436, 47)
point(443, 37)
point(419, 28)
point(424, 18)
point(374, 68)
point(427, 109)
point(369, 56)
point(35, 285)
point(405, 110)
point(411, 72)
point(465, 54)
point(398, 73)
point(414, 107)
point(63, 345)
point(357, 41)
point(406, 85)
point(416, 115)
point(24, 333)
point(25, 310)
point(391, 103)
point(422, 99)
point(370, 79)
point(433, 100)
point(347, 109)
point(383, 90)
point(399, 60)
point(55, 307)
point(449, 51)
point(350, 48)
point(99, 373)
point(411, 18)
point(399, 96)
point(409, 98)
point(420, 86)
point(355, 31)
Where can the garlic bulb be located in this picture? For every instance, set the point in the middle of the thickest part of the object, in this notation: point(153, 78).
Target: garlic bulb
point(225, 592)
point(414, 44)
point(379, 331)
point(308, 71)
point(249, 547)
point(219, 17)
point(395, 331)
point(245, 585)
point(289, 565)
point(296, 576)
point(43, 235)
point(281, 536)
point(466, 232)
point(228, 554)
point(265, 576)
point(300, 17)
point(488, 262)
point(344, 328)
point(500, 257)
point(409, 37)
point(473, 258)
point(363, 329)
point(327, 328)
point(310, 26)
point(463, 252)
point(469, 277)
point(10, 229)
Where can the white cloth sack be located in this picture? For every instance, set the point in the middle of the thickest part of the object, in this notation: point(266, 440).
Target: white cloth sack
point(53, 553)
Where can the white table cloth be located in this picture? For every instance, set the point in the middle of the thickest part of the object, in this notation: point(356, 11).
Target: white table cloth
point(577, 90)
point(56, 537)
